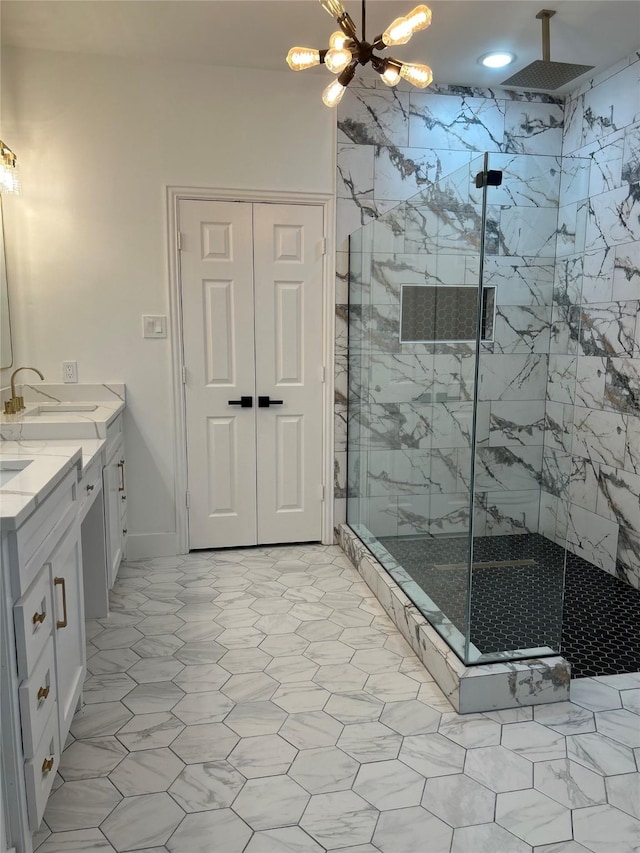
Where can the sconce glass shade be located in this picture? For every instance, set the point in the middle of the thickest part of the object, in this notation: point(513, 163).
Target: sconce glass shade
point(300, 58)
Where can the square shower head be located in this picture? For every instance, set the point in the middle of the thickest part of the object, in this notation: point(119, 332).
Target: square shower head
point(544, 74)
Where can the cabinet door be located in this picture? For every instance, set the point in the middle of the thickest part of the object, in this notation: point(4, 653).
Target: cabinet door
point(113, 480)
point(68, 628)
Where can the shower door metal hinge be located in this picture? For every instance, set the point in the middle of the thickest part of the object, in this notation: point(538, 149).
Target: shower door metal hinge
point(491, 178)
point(179, 241)
point(187, 499)
point(184, 375)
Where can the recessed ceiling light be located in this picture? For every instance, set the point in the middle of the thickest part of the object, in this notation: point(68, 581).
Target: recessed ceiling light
point(497, 60)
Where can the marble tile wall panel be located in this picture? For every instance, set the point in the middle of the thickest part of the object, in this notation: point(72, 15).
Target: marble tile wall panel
point(513, 377)
point(600, 436)
point(533, 128)
point(520, 280)
point(628, 556)
point(622, 385)
point(583, 487)
point(464, 124)
point(610, 329)
point(593, 538)
point(558, 434)
point(619, 496)
point(522, 328)
point(626, 271)
point(516, 424)
point(568, 280)
point(512, 513)
point(597, 277)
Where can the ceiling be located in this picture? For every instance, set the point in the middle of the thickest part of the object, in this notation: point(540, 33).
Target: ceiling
point(258, 33)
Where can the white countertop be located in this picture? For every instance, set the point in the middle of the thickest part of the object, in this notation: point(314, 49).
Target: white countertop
point(53, 420)
point(47, 466)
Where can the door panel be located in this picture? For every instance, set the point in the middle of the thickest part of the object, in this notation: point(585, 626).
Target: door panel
point(288, 307)
point(219, 353)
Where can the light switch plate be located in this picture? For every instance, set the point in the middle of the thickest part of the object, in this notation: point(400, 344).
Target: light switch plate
point(154, 325)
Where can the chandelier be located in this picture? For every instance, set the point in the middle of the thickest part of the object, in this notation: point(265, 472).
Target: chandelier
point(346, 51)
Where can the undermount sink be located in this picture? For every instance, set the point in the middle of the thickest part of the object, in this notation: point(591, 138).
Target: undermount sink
point(9, 468)
point(61, 408)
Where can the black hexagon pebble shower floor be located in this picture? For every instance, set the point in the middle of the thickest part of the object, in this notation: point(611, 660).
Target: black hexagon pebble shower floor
point(520, 606)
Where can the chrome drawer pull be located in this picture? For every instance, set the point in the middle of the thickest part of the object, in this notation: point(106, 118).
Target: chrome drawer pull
point(121, 467)
point(47, 765)
point(38, 618)
point(62, 623)
point(43, 693)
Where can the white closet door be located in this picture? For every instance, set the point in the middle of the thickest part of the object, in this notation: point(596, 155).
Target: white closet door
point(219, 353)
point(288, 252)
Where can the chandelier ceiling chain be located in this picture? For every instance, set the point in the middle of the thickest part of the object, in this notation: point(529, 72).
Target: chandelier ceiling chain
point(346, 51)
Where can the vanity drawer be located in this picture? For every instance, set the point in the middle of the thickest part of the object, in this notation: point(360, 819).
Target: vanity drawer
point(37, 697)
point(40, 771)
point(89, 486)
point(33, 618)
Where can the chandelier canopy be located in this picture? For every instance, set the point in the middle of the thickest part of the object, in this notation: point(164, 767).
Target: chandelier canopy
point(346, 51)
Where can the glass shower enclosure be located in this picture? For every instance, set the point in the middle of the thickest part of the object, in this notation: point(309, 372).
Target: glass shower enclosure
point(458, 468)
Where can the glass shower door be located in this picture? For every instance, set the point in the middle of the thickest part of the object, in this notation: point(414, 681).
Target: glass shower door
point(413, 314)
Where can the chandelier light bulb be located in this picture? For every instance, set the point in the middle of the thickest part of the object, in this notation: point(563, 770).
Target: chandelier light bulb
point(332, 95)
point(401, 30)
point(391, 75)
point(337, 60)
point(300, 58)
point(333, 7)
point(418, 75)
point(398, 32)
point(419, 18)
point(338, 40)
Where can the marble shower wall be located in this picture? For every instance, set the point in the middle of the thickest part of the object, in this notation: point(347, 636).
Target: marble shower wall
point(414, 426)
point(593, 450)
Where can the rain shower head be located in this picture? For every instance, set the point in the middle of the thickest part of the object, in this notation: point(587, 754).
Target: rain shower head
point(543, 73)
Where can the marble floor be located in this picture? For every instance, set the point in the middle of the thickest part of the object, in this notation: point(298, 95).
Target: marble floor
point(261, 701)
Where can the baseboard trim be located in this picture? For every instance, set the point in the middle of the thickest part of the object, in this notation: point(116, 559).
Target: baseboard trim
point(141, 546)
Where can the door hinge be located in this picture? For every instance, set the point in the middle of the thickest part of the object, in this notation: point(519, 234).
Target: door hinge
point(179, 241)
point(321, 493)
point(187, 499)
point(184, 375)
point(323, 246)
point(323, 374)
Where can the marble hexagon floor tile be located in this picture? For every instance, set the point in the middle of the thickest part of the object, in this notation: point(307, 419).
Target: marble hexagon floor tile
point(215, 725)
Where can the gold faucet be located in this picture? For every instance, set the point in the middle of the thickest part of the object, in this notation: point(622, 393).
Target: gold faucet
point(16, 404)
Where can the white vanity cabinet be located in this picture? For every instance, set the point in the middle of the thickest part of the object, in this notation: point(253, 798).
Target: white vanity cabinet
point(115, 497)
point(43, 651)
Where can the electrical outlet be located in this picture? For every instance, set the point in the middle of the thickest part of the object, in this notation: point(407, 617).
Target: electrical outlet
point(69, 371)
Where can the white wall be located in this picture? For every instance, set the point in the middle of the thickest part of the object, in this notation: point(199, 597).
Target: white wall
point(99, 139)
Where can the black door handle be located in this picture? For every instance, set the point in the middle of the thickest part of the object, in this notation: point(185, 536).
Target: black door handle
point(244, 402)
point(265, 402)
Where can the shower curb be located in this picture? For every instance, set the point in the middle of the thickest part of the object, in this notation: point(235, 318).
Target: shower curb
point(470, 689)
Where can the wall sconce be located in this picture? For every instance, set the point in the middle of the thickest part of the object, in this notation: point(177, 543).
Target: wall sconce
point(9, 176)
